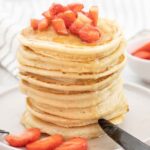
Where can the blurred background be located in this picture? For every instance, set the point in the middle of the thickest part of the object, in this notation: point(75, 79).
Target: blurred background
point(132, 15)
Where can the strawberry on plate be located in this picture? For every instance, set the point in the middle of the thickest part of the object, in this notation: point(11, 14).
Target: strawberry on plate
point(93, 14)
point(89, 33)
point(43, 24)
point(48, 143)
point(76, 7)
point(30, 135)
point(59, 26)
point(74, 144)
point(34, 23)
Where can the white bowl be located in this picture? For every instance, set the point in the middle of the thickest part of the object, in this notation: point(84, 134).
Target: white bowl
point(140, 66)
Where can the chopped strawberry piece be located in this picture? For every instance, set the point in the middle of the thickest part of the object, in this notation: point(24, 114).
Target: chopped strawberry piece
point(59, 26)
point(47, 15)
point(84, 18)
point(76, 26)
point(76, 7)
point(142, 54)
point(43, 24)
point(69, 17)
point(30, 135)
point(60, 15)
point(89, 33)
point(74, 144)
point(48, 143)
point(57, 8)
point(93, 14)
point(34, 23)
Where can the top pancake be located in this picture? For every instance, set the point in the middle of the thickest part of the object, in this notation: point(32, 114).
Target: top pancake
point(70, 47)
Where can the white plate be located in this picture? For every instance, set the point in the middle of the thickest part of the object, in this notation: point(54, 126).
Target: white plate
point(137, 121)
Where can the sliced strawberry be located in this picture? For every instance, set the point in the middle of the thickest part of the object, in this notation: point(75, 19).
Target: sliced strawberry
point(76, 26)
point(59, 26)
point(84, 18)
point(48, 143)
point(142, 54)
point(69, 17)
point(76, 7)
point(74, 144)
point(57, 8)
point(89, 33)
point(43, 24)
point(34, 23)
point(93, 14)
point(47, 15)
point(30, 135)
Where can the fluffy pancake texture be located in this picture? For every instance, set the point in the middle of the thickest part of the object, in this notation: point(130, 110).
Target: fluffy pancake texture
point(71, 84)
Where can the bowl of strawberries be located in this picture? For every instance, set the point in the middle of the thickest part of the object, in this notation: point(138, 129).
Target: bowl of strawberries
point(138, 54)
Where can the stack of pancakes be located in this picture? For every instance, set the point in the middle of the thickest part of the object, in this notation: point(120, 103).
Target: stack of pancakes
point(71, 84)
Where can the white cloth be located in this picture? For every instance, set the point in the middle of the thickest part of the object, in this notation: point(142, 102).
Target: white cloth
point(133, 15)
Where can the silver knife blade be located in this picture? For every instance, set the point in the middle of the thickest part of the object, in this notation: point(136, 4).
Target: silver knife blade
point(124, 139)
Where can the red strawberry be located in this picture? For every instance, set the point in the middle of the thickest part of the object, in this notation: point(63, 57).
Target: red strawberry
point(69, 17)
point(142, 54)
point(48, 143)
point(34, 23)
point(43, 24)
point(57, 8)
point(47, 15)
point(74, 144)
point(30, 135)
point(84, 18)
point(89, 33)
point(59, 26)
point(76, 26)
point(76, 7)
point(93, 14)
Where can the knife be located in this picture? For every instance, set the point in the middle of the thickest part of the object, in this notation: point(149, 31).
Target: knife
point(3, 132)
point(124, 139)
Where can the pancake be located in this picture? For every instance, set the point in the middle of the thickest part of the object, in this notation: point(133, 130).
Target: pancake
point(89, 131)
point(70, 47)
point(74, 102)
point(94, 112)
point(64, 122)
point(27, 57)
point(64, 96)
point(120, 64)
point(69, 85)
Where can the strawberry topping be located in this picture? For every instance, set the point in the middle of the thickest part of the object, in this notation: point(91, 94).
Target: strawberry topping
point(70, 19)
point(89, 33)
point(59, 26)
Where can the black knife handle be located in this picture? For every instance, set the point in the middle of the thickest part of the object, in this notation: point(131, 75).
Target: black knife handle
point(124, 139)
point(3, 132)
